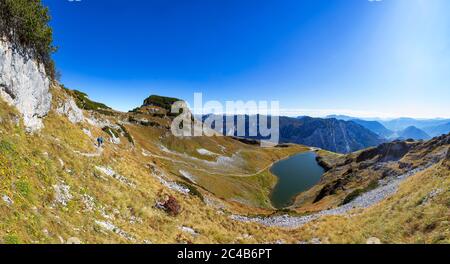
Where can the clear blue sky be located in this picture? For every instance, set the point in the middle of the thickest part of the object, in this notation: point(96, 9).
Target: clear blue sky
point(360, 57)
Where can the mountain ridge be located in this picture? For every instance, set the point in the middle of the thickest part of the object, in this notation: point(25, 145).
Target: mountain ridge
point(329, 134)
point(413, 133)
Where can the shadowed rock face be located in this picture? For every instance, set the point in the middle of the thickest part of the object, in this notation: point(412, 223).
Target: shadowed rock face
point(24, 84)
point(330, 134)
point(447, 158)
point(386, 152)
point(387, 160)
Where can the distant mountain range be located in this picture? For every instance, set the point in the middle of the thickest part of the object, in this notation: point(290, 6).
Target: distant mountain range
point(345, 134)
point(375, 127)
point(413, 132)
point(402, 128)
point(326, 133)
point(330, 134)
point(341, 117)
point(403, 123)
point(435, 131)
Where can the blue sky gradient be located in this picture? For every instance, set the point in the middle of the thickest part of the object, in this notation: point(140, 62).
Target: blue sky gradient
point(388, 58)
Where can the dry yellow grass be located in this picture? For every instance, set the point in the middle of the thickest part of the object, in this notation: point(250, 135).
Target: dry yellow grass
point(33, 167)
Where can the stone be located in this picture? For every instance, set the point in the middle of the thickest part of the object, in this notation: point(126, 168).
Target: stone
point(114, 140)
point(373, 241)
point(25, 85)
point(62, 194)
point(70, 109)
point(189, 230)
point(315, 241)
point(7, 200)
point(87, 132)
point(73, 241)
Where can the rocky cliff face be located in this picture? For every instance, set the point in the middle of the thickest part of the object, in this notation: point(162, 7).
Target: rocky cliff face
point(25, 85)
point(360, 172)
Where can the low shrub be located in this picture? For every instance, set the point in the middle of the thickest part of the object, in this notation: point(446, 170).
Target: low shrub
point(11, 240)
point(352, 196)
point(126, 134)
point(112, 132)
point(192, 189)
point(171, 206)
point(82, 100)
point(25, 23)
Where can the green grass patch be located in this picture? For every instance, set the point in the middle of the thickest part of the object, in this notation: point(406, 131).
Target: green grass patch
point(354, 194)
point(6, 147)
point(82, 100)
point(23, 188)
point(11, 239)
point(126, 134)
point(112, 132)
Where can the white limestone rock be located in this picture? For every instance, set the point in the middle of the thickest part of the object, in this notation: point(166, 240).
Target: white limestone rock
point(87, 132)
point(113, 139)
point(373, 241)
point(70, 109)
point(7, 200)
point(25, 85)
point(62, 194)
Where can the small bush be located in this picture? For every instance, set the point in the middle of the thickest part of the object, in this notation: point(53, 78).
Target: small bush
point(171, 206)
point(112, 132)
point(11, 239)
point(23, 188)
point(6, 147)
point(352, 196)
point(372, 185)
point(25, 23)
point(85, 103)
point(82, 100)
point(127, 134)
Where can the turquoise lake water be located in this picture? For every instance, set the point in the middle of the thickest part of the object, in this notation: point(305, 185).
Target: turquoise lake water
point(295, 175)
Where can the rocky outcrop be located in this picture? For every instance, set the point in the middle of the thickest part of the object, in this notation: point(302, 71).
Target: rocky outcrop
point(70, 109)
point(25, 85)
point(447, 158)
point(323, 163)
point(359, 172)
point(392, 151)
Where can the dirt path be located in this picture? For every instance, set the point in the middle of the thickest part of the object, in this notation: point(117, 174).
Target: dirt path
point(98, 153)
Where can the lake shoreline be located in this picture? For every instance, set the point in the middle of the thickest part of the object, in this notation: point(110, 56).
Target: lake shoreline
point(295, 174)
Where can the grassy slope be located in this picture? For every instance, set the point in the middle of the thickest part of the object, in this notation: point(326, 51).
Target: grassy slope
point(30, 167)
point(402, 218)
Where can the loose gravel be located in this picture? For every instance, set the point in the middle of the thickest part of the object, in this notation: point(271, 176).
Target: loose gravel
point(387, 187)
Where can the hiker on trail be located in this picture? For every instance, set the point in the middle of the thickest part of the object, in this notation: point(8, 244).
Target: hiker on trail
point(100, 141)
